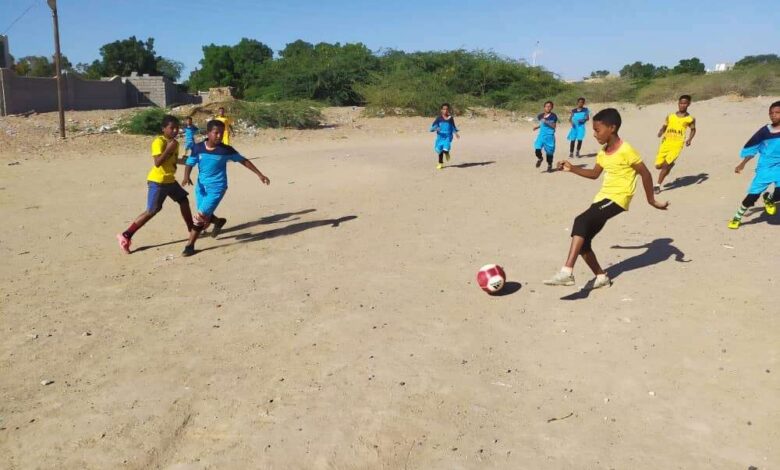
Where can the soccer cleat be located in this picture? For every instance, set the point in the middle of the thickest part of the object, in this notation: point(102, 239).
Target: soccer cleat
point(657, 189)
point(124, 243)
point(549, 169)
point(560, 279)
point(604, 282)
point(447, 156)
point(770, 206)
point(578, 154)
point(538, 162)
point(439, 166)
point(571, 155)
point(218, 224)
point(189, 250)
point(734, 223)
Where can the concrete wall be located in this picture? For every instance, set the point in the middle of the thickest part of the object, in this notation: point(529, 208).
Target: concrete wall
point(23, 94)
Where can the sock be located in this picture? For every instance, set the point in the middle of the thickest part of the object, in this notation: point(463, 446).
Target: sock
point(549, 159)
point(579, 146)
point(740, 212)
point(441, 157)
point(538, 153)
point(774, 197)
point(567, 270)
point(130, 231)
point(571, 147)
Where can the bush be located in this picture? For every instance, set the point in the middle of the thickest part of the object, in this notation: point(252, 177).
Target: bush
point(289, 114)
point(144, 122)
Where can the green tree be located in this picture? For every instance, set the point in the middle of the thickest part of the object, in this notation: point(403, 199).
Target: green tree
point(126, 56)
point(692, 66)
point(40, 66)
point(169, 68)
point(757, 59)
point(638, 70)
point(236, 66)
point(599, 74)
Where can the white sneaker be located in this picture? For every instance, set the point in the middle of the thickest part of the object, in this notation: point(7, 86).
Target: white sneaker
point(604, 281)
point(560, 279)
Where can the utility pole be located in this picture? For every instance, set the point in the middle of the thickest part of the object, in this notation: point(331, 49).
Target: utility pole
point(57, 64)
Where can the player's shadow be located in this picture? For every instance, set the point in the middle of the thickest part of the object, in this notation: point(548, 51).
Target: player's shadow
point(286, 230)
point(689, 180)
point(657, 251)
point(763, 217)
point(147, 247)
point(509, 288)
point(587, 155)
point(471, 164)
point(270, 219)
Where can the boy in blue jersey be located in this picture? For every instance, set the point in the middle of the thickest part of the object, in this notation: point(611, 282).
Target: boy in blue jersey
point(545, 140)
point(766, 143)
point(190, 131)
point(579, 117)
point(212, 157)
point(444, 127)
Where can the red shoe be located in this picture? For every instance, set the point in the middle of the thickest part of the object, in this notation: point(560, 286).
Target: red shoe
point(124, 243)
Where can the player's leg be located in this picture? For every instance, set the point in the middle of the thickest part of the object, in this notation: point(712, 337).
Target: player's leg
point(549, 149)
point(579, 147)
point(155, 197)
point(571, 148)
point(180, 196)
point(579, 239)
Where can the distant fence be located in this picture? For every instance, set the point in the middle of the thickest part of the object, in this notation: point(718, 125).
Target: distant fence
point(25, 94)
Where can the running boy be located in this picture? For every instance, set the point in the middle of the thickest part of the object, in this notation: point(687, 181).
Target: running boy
point(673, 132)
point(190, 131)
point(548, 121)
point(766, 143)
point(228, 122)
point(621, 163)
point(444, 127)
point(161, 182)
point(212, 157)
point(578, 119)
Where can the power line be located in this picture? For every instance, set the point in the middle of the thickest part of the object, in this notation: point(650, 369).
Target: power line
point(19, 17)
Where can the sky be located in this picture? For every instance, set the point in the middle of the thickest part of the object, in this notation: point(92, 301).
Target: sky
point(574, 37)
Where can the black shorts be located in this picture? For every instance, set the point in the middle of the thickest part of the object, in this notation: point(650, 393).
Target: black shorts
point(590, 222)
point(158, 192)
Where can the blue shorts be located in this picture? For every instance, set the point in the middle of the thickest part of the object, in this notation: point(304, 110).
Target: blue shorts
point(763, 179)
point(576, 133)
point(443, 144)
point(157, 192)
point(546, 142)
point(207, 199)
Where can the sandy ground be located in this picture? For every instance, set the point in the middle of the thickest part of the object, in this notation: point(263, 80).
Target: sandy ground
point(336, 322)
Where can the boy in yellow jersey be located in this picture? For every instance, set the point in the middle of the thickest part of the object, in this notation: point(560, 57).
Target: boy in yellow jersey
point(228, 122)
point(621, 163)
point(161, 181)
point(673, 139)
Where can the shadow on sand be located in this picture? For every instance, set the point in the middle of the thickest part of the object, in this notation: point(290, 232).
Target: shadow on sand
point(683, 181)
point(657, 251)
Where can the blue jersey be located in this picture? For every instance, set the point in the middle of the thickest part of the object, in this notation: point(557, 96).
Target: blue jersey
point(189, 134)
point(766, 144)
point(579, 116)
point(212, 164)
point(544, 128)
point(446, 127)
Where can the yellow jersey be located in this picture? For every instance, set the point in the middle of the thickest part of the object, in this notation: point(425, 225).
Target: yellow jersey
point(228, 127)
point(620, 177)
point(166, 172)
point(676, 126)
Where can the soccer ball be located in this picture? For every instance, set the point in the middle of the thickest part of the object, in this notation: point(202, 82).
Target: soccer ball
point(491, 278)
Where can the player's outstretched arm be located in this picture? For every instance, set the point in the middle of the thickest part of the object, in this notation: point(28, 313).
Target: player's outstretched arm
point(742, 164)
point(647, 183)
point(692, 127)
point(590, 173)
point(251, 166)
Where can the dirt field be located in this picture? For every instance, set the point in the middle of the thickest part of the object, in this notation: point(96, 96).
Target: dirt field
point(336, 324)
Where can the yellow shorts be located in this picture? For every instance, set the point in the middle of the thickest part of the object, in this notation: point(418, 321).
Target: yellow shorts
point(668, 152)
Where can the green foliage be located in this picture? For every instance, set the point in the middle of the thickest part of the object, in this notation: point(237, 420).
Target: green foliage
point(692, 66)
point(234, 66)
point(169, 68)
point(288, 114)
point(40, 66)
point(599, 73)
point(147, 121)
point(638, 70)
point(757, 60)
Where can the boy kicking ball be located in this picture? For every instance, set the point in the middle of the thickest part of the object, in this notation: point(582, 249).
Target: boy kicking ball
point(621, 164)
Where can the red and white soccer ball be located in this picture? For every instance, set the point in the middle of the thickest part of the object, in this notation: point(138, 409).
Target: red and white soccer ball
point(491, 278)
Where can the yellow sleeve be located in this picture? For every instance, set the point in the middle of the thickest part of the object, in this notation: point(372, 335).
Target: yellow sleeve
point(633, 157)
point(158, 146)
